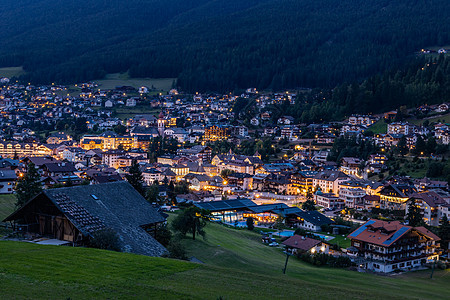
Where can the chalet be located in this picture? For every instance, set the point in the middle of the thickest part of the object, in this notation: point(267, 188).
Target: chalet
point(241, 180)
point(202, 153)
point(313, 220)
point(401, 128)
point(58, 169)
point(151, 175)
point(75, 214)
point(58, 138)
point(394, 196)
point(371, 201)
point(350, 165)
point(303, 181)
point(329, 181)
point(7, 181)
point(425, 183)
point(383, 246)
point(180, 170)
point(298, 244)
point(431, 204)
point(328, 200)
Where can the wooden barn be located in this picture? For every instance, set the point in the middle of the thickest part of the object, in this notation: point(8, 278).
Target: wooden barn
point(74, 214)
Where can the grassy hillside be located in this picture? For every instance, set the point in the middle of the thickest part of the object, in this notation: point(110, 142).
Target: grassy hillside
point(7, 205)
point(216, 44)
point(112, 80)
point(237, 266)
point(11, 72)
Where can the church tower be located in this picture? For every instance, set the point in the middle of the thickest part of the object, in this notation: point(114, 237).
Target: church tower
point(161, 124)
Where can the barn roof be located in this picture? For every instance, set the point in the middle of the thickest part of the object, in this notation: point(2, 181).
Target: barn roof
point(114, 205)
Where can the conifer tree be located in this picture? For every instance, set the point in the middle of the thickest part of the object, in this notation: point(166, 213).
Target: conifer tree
point(415, 214)
point(135, 178)
point(28, 185)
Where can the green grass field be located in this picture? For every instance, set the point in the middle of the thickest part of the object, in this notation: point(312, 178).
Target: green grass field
point(378, 127)
point(11, 72)
point(237, 266)
point(439, 118)
point(243, 250)
point(113, 80)
point(7, 205)
point(129, 112)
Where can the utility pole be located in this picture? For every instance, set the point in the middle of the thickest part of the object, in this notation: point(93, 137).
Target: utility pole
point(285, 264)
point(432, 268)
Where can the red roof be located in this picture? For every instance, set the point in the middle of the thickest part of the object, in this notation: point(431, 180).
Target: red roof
point(301, 242)
point(385, 233)
point(428, 233)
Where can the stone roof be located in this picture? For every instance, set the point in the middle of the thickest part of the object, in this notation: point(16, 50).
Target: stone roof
point(115, 205)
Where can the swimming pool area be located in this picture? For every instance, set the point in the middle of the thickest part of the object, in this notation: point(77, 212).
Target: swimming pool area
point(240, 224)
point(285, 233)
point(324, 237)
point(289, 233)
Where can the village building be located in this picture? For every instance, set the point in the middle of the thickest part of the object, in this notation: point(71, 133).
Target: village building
point(329, 181)
point(383, 246)
point(298, 244)
point(433, 206)
point(394, 196)
point(328, 200)
point(8, 179)
point(76, 214)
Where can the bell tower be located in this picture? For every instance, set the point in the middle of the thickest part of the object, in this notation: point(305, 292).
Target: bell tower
point(161, 126)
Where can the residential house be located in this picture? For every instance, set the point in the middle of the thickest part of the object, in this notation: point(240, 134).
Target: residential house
point(394, 196)
point(385, 246)
point(298, 244)
point(328, 200)
point(329, 181)
point(8, 179)
point(313, 220)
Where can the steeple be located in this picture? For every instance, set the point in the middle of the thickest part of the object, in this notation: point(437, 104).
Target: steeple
point(161, 124)
point(257, 154)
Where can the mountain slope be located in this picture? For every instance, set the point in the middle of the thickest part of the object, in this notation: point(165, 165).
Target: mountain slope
point(217, 44)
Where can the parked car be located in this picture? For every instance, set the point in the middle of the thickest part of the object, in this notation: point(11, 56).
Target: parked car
point(273, 244)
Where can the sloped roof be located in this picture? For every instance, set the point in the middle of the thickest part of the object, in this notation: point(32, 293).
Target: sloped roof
point(330, 175)
point(226, 204)
point(431, 198)
point(144, 130)
point(60, 167)
point(385, 233)
point(314, 217)
point(115, 205)
point(301, 242)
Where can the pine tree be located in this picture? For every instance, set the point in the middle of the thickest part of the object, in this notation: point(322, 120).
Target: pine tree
point(444, 232)
point(415, 215)
point(135, 178)
point(191, 220)
point(309, 203)
point(28, 185)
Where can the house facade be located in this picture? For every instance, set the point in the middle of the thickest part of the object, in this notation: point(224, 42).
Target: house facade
point(383, 246)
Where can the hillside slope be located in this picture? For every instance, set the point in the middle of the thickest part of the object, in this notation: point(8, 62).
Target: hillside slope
point(217, 44)
point(238, 266)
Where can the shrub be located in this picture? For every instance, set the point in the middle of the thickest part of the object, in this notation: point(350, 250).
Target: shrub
point(322, 259)
point(176, 249)
point(163, 235)
point(106, 239)
point(250, 225)
point(441, 265)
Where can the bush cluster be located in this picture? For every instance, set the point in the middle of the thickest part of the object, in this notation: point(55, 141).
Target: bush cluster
point(322, 259)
